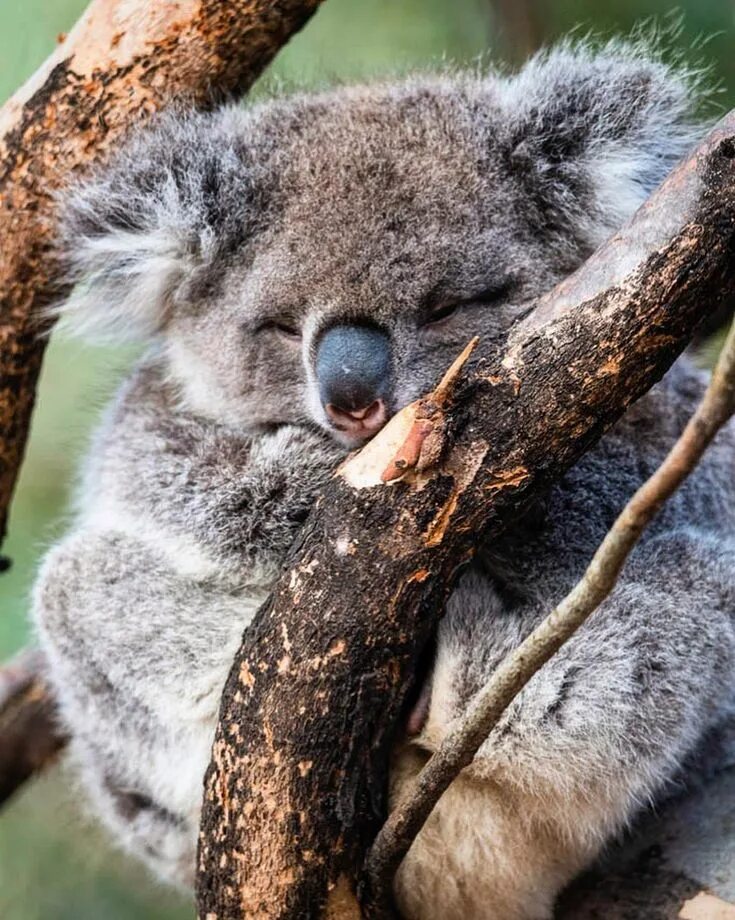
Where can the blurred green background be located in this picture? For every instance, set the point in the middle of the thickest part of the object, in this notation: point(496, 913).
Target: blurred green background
point(53, 864)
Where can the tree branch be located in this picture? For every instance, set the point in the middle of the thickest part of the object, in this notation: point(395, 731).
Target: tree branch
point(521, 26)
point(295, 791)
point(460, 746)
point(29, 735)
point(123, 61)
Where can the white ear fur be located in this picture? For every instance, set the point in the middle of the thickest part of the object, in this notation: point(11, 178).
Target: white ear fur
point(627, 116)
point(136, 230)
point(125, 254)
point(626, 166)
point(126, 281)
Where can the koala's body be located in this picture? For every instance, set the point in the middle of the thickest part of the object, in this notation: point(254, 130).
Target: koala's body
point(302, 270)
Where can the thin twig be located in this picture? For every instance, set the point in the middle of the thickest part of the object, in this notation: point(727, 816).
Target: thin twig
point(460, 746)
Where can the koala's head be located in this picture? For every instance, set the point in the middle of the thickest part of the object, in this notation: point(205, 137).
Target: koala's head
point(324, 258)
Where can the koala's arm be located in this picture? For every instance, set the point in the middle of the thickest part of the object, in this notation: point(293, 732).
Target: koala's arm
point(218, 501)
point(140, 609)
point(600, 732)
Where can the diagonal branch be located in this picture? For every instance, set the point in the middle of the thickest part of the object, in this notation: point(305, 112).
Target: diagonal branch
point(295, 791)
point(460, 746)
point(123, 61)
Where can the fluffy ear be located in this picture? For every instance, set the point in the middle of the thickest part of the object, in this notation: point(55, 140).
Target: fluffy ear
point(594, 131)
point(137, 231)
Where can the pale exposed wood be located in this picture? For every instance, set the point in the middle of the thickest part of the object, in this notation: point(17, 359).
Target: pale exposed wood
point(707, 907)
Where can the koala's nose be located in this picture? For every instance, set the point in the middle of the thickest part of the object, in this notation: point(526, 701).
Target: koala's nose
point(353, 373)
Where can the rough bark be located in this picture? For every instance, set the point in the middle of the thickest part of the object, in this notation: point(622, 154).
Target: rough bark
point(29, 736)
point(296, 789)
point(124, 60)
point(459, 747)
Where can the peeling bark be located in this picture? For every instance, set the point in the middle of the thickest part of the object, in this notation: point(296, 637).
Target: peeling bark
point(124, 60)
point(296, 788)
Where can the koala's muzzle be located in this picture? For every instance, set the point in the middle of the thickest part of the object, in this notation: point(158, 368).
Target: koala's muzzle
point(353, 366)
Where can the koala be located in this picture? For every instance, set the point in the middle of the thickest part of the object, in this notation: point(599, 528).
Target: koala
point(298, 271)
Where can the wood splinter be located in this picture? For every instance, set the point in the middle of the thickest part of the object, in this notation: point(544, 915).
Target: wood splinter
point(414, 438)
point(425, 440)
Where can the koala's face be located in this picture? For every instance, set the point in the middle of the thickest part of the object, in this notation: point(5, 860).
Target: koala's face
point(325, 259)
point(382, 252)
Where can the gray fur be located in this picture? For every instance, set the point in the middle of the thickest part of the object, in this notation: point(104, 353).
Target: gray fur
point(380, 204)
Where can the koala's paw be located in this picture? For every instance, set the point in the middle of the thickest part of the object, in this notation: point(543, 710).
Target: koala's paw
point(290, 466)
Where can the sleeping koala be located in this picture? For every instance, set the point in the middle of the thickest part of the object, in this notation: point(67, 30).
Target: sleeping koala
point(300, 271)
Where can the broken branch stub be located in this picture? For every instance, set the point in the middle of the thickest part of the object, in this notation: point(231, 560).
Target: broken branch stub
point(295, 791)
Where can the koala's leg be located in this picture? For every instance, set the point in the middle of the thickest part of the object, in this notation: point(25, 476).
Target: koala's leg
point(138, 656)
point(597, 734)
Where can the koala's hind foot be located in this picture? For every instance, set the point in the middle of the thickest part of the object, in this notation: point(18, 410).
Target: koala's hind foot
point(480, 855)
point(138, 655)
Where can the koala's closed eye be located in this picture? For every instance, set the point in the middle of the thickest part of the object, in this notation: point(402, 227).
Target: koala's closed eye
point(287, 329)
point(447, 308)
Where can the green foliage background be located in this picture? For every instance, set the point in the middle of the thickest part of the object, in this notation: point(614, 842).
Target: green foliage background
point(53, 863)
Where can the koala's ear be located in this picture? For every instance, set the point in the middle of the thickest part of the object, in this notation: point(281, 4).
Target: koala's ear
point(133, 234)
point(593, 131)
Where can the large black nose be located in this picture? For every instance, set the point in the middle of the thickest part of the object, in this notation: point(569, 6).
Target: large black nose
point(353, 366)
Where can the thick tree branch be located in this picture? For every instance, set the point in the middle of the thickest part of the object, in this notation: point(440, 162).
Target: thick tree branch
point(460, 746)
point(295, 791)
point(124, 60)
point(29, 736)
